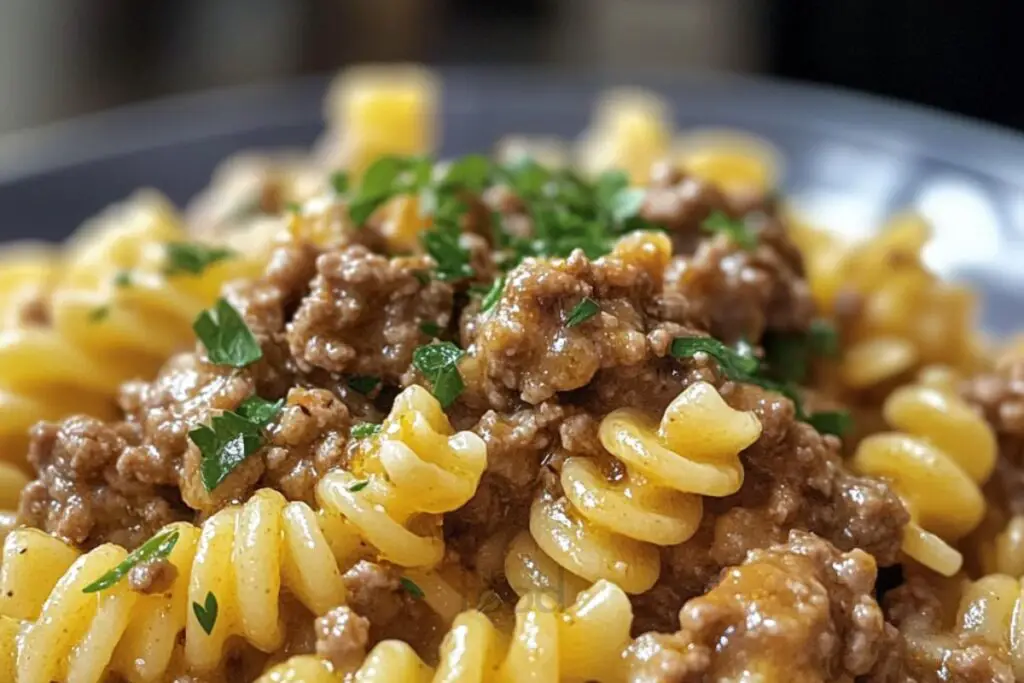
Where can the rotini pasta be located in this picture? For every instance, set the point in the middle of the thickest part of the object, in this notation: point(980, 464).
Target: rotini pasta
point(631, 130)
point(740, 164)
point(601, 530)
point(113, 313)
point(584, 642)
point(414, 469)
point(937, 461)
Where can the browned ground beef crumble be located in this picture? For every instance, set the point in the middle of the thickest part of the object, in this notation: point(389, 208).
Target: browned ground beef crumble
point(797, 544)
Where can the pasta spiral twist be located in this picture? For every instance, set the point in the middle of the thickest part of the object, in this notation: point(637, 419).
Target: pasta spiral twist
point(244, 556)
point(113, 311)
point(936, 462)
point(611, 530)
point(415, 469)
point(582, 643)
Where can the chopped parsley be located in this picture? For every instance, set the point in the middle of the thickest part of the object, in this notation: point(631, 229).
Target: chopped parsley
point(293, 207)
point(441, 242)
point(192, 258)
point(586, 309)
point(358, 486)
point(228, 340)
point(411, 588)
point(365, 430)
point(493, 295)
point(232, 437)
point(737, 229)
point(742, 366)
point(158, 547)
point(364, 384)
point(788, 355)
point(340, 182)
point(439, 363)
point(823, 338)
point(123, 279)
point(206, 614)
point(98, 314)
point(430, 329)
point(387, 177)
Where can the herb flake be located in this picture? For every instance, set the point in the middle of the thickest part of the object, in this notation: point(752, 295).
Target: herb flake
point(358, 486)
point(736, 229)
point(231, 437)
point(228, 340)
point(158, 547)
point(493, 295)
point(123, 279)
point(439, 364)
point(192, 258)
point(363, 384)
point(206, 614)
point(836, 422)
point(586, 309)
point(98, 314)
point(410, 587)
point(364, 430)
point(430, 329)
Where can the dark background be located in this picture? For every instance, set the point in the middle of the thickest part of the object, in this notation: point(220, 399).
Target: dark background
point(59, 58)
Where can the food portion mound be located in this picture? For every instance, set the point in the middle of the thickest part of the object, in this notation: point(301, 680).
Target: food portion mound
point(497, 420)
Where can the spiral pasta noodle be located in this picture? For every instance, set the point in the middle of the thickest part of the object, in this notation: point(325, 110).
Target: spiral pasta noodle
point(604, 530)
point(114, 313)
point(741, 165)
point(584, 642)
point(936, 461)
point(415, 469)
point(631, 130)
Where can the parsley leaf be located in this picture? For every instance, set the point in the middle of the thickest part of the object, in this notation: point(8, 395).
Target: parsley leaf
point(788, 354)
point(493, 295)
point(339, 181)
point(364, 384)
point(228, 340)
point(358, 486)
point(206, 615)
point(441, 241)
point(471, 172)
point(735, 365)
point(192, 258)
point(586, 309)
point(430, 329)
point(439, 363)
point(158, 547)
point(737, 230)
point(232, 437)
point(293, 207)
point(123, 279)
point(365, 430)
point(823, 338)
point(384, 179)
point(98, 314)
point(626, 203)
point(411, 588)
point(837, 422)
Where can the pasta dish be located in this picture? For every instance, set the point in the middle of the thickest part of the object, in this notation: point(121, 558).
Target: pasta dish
point(602, 411)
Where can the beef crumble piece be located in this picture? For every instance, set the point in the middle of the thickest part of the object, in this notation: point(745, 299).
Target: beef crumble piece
point(744, 293)
point(81, 496)
point(802, 610)
point(924, 649)
point(523, 345)
point(154, 576)
point(364, 313)
point(681, 203)
point(794, 479)
point(341, 638)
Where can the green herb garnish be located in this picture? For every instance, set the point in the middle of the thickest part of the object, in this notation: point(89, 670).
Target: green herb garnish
point(736, 229)
point(788, 354)
point(430, 329)
point(493, 295)
point(228, 340)
point(339, 181)
point(439, 363)
point(158, 547)
point(365, 430)
point(411, 588)
point(123, 279)
point(387, 177)
point(364, 384)
point(232, 437)
point(293, 207)
point(193, 258)
point(586, 309)
point(441, 242)
point(358, 486)
point(837, 422)
point(206, 615)
point(823, 338)
point(98, 314)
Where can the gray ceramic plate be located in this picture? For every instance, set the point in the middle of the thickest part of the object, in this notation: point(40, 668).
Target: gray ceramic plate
point(850, 159)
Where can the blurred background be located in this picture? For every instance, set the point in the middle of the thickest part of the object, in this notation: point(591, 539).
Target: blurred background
point(60, 58)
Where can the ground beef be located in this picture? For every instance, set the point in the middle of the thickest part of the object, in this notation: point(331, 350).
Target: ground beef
point(341, 638)
point(365, 312)
point(154, 576)
point(308, 440)
point(681, 202)
point(794, 479)
point(374, 591)
point(81, 495)
point(802, 610)
point(744, 292)
point(926, 650)
point(523, 349)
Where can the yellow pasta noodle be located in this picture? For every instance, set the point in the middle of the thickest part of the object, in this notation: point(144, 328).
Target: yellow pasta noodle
point(936, 461)
point(631, 131)
point(740, 164)
point(114, 313)
point(605, 530)
point(584, 642)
